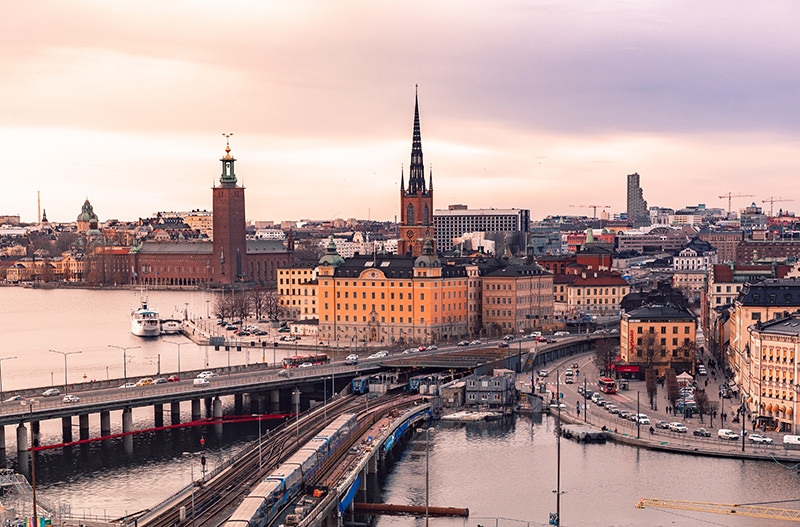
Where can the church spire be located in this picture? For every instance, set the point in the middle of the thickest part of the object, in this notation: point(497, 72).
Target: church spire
point(402, 180)
point(416, 178)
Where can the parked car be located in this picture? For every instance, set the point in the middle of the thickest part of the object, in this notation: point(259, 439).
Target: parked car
point(200, 381)
point(127, 385)
point(51, 392)
point(678, 427)
point(173, 378)
point(724, 433)
point(71, 399)
point(702, 432)
point(351, 359)
point(758, 438)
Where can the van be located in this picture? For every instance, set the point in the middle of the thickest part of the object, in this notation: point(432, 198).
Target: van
point(724, 433)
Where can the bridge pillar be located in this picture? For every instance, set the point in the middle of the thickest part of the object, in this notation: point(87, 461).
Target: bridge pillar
point(105, 423)
point(127, 426)
point(238, 404)
point(372, 464)
point(216, 413)
point(175, 413)
point(35, 433)
point(275, 401)
point(158, 415)
point(3, 438)
point(195, 409)
point(22, 438)
point(66, 429)
point(83, 426)
point(209, 402)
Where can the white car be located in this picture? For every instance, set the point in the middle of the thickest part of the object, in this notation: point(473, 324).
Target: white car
point(543, 373)
point(127, 385)
point(561, 334)
point(476, 343)
point(642, 419)
point(200, 381)
point(206, 375)
point(306, 365)
point(678, 427)
point(758, 438)
point(724, 433)
point(71, 399)
point(51, 392)
point(351, 359)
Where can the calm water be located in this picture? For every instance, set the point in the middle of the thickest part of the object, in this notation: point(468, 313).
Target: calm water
point(503, 469)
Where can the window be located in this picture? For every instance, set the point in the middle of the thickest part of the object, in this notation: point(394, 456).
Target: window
point(674, 329)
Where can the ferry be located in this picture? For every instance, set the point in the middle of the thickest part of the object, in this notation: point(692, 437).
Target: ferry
point(171, 327)
point(145, 321)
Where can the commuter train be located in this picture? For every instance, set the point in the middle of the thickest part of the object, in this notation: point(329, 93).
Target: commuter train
point(361, 384)
point(268, 497)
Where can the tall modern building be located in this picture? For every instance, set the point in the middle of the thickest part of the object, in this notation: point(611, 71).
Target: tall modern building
point(458, 220)
point(416, 200)
point(229, 263)
point(637, 206)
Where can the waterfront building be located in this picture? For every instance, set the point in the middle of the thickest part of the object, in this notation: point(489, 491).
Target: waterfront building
point(458, 220)
point(638, 214)
point(517, 298)
point(386, 299)
point(758, 301)
point(297, 293)
point(416, 200)
point(769, 382)
point(658, 336)
point(491, 391)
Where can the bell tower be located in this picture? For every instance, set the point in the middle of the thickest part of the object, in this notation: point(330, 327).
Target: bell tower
point(228, 263)
point(416, 200)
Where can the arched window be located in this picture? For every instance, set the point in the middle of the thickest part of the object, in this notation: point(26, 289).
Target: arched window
point(410, 214)
point(426, 216)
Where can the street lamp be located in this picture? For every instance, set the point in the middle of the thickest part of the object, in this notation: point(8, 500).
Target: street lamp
point(124, 358)
point(1, 374)
point(179, 352)
point(65, 353)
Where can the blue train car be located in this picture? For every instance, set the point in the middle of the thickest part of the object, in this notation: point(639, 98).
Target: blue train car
point(361, 384)
point(258, 508)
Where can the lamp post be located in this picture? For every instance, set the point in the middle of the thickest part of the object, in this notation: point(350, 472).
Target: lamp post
point(65, 353)
point(179, 352)
point(191, 468)
point(258, 416)
point(33, 461)
point(124, 357)
point(1, 373)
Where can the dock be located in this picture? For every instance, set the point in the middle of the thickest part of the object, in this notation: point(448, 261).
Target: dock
point(583, 433)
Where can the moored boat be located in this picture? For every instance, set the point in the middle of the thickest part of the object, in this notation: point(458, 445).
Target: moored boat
point(171, 326)
point(145, 321)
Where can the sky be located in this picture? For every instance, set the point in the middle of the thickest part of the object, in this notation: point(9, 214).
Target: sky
point(545, 105)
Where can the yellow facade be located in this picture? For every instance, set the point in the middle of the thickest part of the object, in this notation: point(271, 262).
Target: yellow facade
point(661, 340)
point(297, 293)
point(367, 307)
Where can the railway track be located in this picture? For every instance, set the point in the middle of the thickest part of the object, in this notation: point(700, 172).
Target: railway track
point(214, 499)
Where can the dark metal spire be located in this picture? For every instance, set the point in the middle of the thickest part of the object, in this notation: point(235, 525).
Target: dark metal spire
point(416, 178)
point(402, 180)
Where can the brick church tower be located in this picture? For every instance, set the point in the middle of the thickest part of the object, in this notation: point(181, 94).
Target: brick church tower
point(416, 202)
point(230, 250)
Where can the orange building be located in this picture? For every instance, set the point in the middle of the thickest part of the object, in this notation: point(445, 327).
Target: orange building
point(386, 299)
point(517, 298)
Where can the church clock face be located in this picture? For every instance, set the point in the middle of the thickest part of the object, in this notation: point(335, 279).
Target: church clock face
point(409, 234)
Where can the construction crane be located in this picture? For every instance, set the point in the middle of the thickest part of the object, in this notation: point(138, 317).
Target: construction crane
point(730, 195)
point(772, 200)
point(753, 511)
point(594, 207)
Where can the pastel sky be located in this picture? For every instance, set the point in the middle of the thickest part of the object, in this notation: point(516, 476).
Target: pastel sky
point(532, 104)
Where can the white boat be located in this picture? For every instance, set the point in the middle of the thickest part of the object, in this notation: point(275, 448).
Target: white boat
point(145, 321)
point(171, 326)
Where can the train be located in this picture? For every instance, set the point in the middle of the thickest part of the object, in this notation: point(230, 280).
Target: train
point(267, 498)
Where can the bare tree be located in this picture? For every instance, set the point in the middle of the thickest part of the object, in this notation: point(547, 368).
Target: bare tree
point(713, 409)
point(307, 252)
point(258, 301)
point(701, 400)
point(223, 307)
point(673, 390)
point(605, 354)
point(649, 350)
point(652, 387)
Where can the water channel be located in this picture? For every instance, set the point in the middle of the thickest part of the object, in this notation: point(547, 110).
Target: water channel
point(503, 469)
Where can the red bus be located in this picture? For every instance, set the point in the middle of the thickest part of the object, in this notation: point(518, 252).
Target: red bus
point(294, 362)
point(607, 385)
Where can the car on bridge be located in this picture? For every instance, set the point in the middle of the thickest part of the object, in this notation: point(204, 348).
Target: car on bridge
point(463, 343)
point(127, 385)
point(160, 380)
point(206, 375)
point(14, 398)
point(173, 378)
point(71, 399)
point(200, 381)
point(51, 392)
point(144, 381)
point(351, 359)
point(433, 348)
point(476, 343)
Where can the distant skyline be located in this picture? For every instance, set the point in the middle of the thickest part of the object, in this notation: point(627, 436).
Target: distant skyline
point(528, 104)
